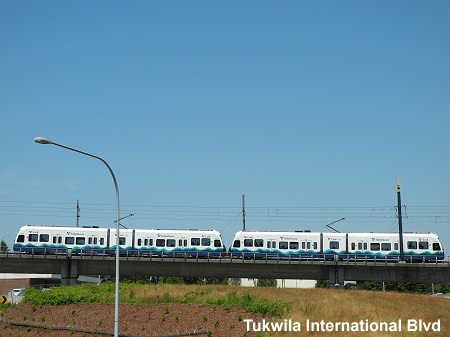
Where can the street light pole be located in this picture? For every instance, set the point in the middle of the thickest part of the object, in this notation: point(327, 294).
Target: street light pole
point(41, 140)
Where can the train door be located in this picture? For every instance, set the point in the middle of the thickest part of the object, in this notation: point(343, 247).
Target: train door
point(92, 242)
point(145, 244)
point(271, 248)
point(182, 245)
point(56, 241)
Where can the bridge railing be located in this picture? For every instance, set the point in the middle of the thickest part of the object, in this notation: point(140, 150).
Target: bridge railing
point(221, 257)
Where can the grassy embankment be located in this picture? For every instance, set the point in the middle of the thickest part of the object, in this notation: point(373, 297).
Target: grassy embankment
point(278, 305)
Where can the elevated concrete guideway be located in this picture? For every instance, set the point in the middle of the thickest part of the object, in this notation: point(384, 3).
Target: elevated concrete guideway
point(334, 271)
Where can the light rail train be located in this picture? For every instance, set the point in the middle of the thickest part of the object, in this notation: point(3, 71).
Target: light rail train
point(343, 246)
point(94, 240)
point(246, 244)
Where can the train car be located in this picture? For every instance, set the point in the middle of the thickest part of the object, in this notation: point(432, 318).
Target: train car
point(94, 240)
point(422, 247)
point(416, 246)
point(178, 242)
point(260, 244)
point(333, 245)
point(373, 245)
point(341, 246)
point(54, 240)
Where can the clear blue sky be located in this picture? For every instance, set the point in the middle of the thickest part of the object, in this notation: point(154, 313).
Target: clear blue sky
point(312, 109)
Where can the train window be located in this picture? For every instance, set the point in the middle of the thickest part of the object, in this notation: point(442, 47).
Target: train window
point(374, 246)
point(259, 243)
point(122, 240)
point(436, 246)
point(145, 242)
point(170, 243)
point(268, 244)
point(236, 244)
point(308, 245)
point(248, 243)
point(70, 240)
point(360, 246)
point(315, 245)
point(303, 245)
point(396, 246)
point(33, 238)
point(423, 245)
point(353, 246)
point(44, 238)
point(206, 242)
point(217, 243)
point(80, 240)
point(365, 245)
point(180, 243)
point(334, 244)
point(293, 245)
point(102, 241)
point(139, 242)
point(195, 241)
point(385, 247)
point(160, 243)
point(21, 238)
point(283, 245)
point(412, 245)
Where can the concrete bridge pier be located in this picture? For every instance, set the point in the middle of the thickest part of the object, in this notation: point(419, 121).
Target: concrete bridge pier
point(336, 277)
point(69, 272)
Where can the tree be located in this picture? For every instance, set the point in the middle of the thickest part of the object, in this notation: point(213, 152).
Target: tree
point(322, 284)
point(234, 282)
point(445, 288)
point(401, 287)
point(263, 282)
point(4, 247)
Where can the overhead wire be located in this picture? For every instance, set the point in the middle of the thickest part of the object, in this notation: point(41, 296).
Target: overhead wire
point(435, 214)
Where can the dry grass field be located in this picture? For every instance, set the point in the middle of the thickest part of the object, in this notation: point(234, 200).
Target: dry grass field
point(188, 303)
point(332, 305)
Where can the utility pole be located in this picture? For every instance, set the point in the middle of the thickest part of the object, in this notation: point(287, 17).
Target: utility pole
point(78, 213)
point(400, 225)
point(243, 212)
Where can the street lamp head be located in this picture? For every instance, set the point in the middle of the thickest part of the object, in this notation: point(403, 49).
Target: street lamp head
point(42, 140)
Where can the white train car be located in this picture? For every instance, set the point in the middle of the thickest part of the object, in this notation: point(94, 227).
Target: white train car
point(261, 244)
point(51, 239)
point(333, 244)
point(94, 240)
point(416, 246)
point(189, 242)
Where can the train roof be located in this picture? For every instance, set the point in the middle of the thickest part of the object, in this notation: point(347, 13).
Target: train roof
point(329, 233)
point(122, 229)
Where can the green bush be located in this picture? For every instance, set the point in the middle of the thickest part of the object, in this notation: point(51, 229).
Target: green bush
point(251, 303)
point(104, 293)
point(85, 293)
